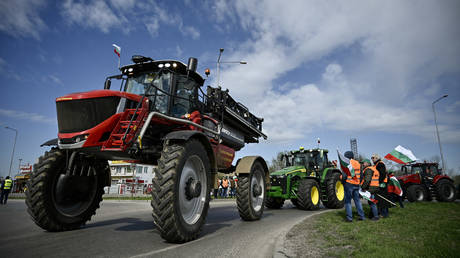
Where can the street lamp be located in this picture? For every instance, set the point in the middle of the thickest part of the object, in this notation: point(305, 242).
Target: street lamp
point(226, 62)
point(19, 167)
point(14, 146)
point(444, 167)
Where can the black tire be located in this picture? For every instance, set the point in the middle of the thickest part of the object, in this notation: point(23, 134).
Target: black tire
point(335, 192)
point(445, 191)
point(59, 202)
point(251, 192)
point(178, 209)
point(295, 202)
point(274, 203)
point(416, 193)
point(308, 195)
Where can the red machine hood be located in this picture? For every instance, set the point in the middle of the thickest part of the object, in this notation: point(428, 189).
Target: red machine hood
point(99, 94)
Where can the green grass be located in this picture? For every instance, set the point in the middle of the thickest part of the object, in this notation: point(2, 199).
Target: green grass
point(427, 229)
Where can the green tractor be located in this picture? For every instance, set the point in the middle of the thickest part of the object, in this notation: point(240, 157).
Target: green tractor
point(307, 178)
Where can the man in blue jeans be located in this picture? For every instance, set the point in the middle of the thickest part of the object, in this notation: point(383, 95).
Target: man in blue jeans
point(370, 182)
point(352, 189)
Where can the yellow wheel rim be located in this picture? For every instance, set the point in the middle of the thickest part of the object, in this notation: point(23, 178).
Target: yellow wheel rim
point(314, 195)
point(339, 190)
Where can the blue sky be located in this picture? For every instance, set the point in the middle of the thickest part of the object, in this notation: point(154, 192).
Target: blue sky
point(334, 70)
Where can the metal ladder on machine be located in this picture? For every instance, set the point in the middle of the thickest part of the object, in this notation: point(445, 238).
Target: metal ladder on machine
point(125, 131)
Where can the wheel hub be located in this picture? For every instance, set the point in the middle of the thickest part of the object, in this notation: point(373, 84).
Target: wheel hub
point(192, 188)
point(256, 190)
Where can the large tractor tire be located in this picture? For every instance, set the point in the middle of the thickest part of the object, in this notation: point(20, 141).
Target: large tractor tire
point(295, 202)
point(59, 202)
point(445, 191)
point(308, 194)
point(416, 193)
point(180, 194)
point(251, 192)
point(335, 192)
point(274, 202)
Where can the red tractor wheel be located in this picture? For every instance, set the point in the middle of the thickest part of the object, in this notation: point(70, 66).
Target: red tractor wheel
point(445, 191)
point(416, 193)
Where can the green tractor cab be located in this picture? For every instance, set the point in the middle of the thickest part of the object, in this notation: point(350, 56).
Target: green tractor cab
point(306, 179)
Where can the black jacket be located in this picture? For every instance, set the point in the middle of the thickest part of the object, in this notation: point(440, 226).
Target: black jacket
point(382, 170)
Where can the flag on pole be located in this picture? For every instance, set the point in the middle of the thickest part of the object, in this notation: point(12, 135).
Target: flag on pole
point(117, 50)
point(367, 195)
point(345, 165)
point(394, 186)
point(401, 155)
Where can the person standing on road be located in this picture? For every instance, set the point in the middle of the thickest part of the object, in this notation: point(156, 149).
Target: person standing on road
point(6, 190)
point(232, 187)
point(382, 194)
point(224, 187)
point(352, 189)
point(370, 182)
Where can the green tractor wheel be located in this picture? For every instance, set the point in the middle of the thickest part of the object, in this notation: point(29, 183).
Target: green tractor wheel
point(335, 192)
point(295, 202)
point(308, 195)
point(274, 202)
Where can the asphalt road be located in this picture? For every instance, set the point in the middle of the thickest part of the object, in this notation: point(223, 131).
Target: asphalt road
point(126, 229)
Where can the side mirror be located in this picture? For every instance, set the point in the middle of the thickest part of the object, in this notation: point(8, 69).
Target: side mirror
point(107, 84)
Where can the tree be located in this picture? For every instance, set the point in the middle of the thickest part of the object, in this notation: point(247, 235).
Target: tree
point(277, 162)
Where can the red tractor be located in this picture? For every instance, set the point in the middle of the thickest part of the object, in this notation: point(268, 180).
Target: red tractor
point(424, 181)
point(159, 115)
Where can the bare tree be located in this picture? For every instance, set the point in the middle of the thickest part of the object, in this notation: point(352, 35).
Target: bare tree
point(277, 162)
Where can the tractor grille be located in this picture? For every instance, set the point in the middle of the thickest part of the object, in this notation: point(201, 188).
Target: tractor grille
point(82, 114)
point(279, 181)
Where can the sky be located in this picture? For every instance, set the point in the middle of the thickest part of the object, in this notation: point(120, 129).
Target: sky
point(332, 70)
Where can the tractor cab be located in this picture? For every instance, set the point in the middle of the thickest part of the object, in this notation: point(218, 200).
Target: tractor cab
point(423, 169)
point(312, 159)
point(171, 86)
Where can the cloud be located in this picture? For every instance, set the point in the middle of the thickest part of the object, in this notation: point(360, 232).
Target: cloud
point(5, 70)
point(96, 14)
point(20, 18)
point(158, 15)
point(125, 15)
point(27, 116)
point(387, 55)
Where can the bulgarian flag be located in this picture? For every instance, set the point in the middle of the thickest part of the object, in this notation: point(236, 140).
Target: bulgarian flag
point(401, 155)
point(345, 165)
point(117, 50)
point(394, 186)
point(367, 195)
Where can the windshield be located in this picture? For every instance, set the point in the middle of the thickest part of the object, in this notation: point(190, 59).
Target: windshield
point(309, 160)
point(151, 84)
point(416, 170)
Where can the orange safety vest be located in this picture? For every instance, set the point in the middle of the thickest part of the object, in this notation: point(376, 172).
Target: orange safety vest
point(375, 177)
point(357, 167)
point(225, 183)
point(386, 178)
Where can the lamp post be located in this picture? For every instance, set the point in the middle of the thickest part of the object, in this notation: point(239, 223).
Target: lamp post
point(14, 146)
point(444, 167)
point(226, 62)
point(19, 167)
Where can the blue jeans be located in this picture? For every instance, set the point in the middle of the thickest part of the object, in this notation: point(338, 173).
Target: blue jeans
point(352, 192)
point(373, 206)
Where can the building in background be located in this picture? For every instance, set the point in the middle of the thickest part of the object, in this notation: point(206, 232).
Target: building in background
point(129, 178)
point(21, 178)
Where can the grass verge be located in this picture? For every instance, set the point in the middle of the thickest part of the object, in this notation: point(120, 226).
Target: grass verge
point(426, 229)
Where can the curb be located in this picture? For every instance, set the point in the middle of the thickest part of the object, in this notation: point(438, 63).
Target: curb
point(279, 251)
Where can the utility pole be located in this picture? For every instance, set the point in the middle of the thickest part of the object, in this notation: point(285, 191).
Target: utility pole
point(14, 147)
point(444, 167)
